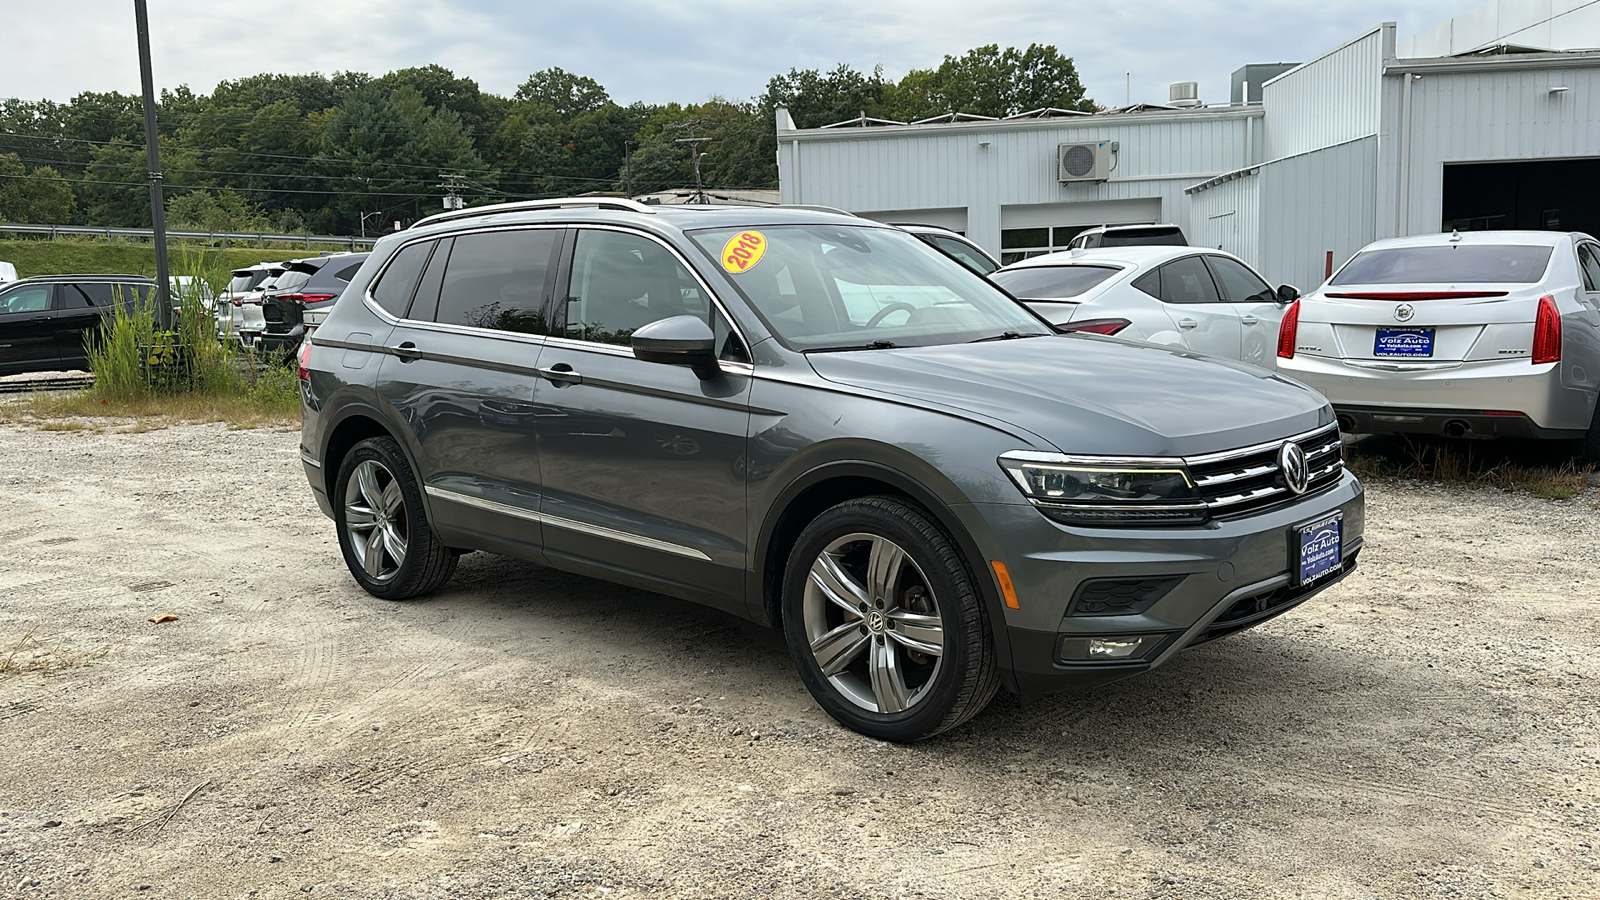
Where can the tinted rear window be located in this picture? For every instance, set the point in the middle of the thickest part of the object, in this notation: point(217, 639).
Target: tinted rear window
point(1144, 237)
point(399, 281)
point(291, 280)
point(1456, 264)
point(244, 281)
point(1052, 282)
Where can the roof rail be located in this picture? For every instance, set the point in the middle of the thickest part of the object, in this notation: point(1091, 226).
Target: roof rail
point(617, 203)
point(817, 207)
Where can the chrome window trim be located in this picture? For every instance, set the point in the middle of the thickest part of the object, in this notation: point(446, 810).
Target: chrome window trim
point(310, 460)
point(567, 524)
point(711, 295)
point(617, 349)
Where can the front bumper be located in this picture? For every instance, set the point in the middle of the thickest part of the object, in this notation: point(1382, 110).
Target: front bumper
point(1440, 395)
point(1226, 576)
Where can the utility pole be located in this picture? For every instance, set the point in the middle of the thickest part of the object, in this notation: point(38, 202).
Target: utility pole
point(452, 187)
point(158, 213)
point(627, 166)
point(695, 155)
point(364, 217)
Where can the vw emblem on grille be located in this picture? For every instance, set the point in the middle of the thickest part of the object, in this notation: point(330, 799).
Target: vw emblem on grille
point(1404, 312)
point(1292, 462)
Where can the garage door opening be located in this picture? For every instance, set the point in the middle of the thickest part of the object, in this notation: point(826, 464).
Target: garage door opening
point(1552, 195)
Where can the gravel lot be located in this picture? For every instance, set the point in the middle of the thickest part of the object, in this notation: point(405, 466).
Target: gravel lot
point(1426, 729)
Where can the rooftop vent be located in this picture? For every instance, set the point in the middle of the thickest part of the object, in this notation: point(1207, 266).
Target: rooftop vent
point(1184, 94)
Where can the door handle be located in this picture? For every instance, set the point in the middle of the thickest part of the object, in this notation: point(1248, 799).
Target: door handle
point(1188, 324)
point(407, 352)
point(1250, 320)
point(560, 374)
point(40, 319)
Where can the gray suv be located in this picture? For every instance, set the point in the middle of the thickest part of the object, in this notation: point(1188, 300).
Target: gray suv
point(818, 423)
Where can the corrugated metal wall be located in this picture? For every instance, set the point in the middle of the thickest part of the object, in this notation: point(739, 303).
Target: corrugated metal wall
point(1314, 203)
point(1492, 115)
point(1334, 98)
point(940, 167)
point(1228, 216)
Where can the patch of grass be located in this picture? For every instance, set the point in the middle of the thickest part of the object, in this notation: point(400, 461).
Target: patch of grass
point(1539, 467)
point(265, 406)
point(29, 655)
point(82, 255)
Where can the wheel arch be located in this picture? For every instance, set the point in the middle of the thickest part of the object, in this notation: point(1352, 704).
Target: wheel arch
point(830, 484)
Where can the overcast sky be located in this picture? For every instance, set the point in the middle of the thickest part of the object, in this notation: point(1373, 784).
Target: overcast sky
point(659, 51)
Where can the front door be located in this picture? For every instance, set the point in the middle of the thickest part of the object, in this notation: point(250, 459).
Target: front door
point(1191, 301)
point(27, 330)
point(461, 366)
point(642, 463)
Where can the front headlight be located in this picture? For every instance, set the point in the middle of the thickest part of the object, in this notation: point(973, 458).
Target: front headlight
point(1107, 491)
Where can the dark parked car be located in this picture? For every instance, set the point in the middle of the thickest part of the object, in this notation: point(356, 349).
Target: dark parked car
point(821, 424)
point(297, 300)
point(955, 245)
point(43, 320)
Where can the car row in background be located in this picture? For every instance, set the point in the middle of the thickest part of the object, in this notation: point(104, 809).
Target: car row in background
point(272, 306)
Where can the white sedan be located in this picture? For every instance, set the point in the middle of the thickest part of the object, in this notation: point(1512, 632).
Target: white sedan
point(1190, 297)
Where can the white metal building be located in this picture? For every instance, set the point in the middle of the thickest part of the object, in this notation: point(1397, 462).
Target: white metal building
point(1357, 144)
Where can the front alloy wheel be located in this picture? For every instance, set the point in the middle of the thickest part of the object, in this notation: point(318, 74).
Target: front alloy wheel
point(884, 622)
point(873, 624)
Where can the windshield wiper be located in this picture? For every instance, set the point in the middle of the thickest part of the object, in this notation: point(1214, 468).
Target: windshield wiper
point(875, 345)
point(1004, 336)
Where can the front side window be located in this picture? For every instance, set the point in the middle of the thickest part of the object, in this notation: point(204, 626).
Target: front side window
point(1236, 283)
point(1187, 281)
point(26, 300)
point(1454, 264)
point(845, 287)
point(622, 282)
point(499, 280)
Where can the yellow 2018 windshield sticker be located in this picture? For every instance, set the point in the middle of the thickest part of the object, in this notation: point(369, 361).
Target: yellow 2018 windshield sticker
point(743, 250)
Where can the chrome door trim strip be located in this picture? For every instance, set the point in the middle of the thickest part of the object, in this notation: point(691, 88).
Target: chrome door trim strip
point(568, 524)
point(308, 459)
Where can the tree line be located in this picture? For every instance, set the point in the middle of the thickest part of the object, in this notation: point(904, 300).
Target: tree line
point(342, 153)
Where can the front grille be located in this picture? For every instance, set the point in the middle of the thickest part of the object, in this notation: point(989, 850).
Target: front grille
point(1239, 482)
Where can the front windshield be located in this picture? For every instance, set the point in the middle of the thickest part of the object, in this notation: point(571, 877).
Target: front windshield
point(846, 287)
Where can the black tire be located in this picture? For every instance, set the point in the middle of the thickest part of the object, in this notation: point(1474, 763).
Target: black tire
point(1589, 444)
point(424, 563)
point(887, 656)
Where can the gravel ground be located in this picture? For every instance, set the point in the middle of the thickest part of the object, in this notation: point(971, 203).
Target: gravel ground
point(1426, 729)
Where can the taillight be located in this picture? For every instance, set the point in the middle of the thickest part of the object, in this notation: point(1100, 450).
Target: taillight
point(305, 298)
point(1288, 329)
point(1095, 326)
point(1547, 332)
point(305, 360)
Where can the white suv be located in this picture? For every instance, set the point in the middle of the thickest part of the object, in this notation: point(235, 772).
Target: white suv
point(1485, 334)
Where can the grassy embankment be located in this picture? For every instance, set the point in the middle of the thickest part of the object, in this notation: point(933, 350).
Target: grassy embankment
point(79, 256)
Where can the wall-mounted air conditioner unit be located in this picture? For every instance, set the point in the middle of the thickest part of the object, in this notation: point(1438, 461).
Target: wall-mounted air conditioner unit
point(1083, 162)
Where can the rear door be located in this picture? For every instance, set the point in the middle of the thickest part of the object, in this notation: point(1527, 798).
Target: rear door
point(461, 366)
point(1191, 301)
point(1589, 263)
point(27, 329)
point(1256, 306)
point(80, 308)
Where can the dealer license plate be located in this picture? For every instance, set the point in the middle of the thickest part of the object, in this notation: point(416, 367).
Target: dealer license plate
point(1403, 342)
point(1320, 545)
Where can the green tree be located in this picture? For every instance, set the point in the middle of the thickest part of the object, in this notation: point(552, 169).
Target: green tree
point(815, 99)
point(40, 197)
point(989, 81)
point(214, 211)
point(564, 94)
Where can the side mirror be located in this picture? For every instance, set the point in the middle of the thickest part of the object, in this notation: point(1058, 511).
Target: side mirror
point(679, 341)
point(1287, 294)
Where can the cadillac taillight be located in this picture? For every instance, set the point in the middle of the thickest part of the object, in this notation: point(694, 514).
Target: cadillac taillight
point(1288, 329)
point(1547, 332)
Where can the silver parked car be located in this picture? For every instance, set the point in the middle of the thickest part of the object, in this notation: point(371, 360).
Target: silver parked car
point(1189, 297)
point(1484, 334)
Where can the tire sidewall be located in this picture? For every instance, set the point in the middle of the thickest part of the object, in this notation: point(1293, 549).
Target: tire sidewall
point(950, 589)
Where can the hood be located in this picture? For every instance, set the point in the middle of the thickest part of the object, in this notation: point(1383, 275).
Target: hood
point(1090, 394)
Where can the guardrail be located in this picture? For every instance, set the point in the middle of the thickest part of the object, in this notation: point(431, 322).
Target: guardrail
point(261, 238)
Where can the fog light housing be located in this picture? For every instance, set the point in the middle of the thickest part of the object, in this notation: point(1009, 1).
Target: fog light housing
point(1110, 648)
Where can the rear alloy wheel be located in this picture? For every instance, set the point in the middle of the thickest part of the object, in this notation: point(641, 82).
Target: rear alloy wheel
point(383, 531)
point(884, 623)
